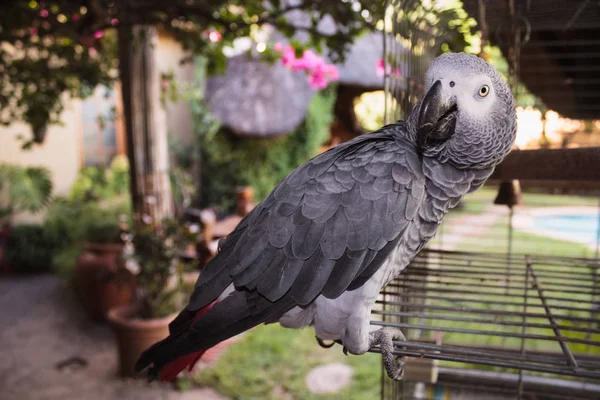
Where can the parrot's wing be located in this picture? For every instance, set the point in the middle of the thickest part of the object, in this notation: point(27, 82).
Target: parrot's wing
point(324, 229)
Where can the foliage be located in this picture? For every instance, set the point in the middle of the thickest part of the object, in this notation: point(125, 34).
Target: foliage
point(105, 232)
point(152, 253)
point(94, 183)
point(70, 223)
point(369, 109)
point(27, 189)
point(29, 249)
point(48, 48)
point(252, 367)
point(183, 161)
point(229, 161)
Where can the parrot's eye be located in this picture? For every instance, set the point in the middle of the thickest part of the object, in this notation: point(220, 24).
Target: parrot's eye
point(484, 91)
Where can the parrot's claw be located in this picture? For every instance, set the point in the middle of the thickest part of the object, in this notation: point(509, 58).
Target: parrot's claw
point(323, 344)
point(384, 338)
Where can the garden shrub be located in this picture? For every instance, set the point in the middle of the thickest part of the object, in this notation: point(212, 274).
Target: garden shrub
point(29, 249)
point(70, 223)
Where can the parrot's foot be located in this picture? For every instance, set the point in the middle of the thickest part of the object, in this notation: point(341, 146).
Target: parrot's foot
point(384, 338)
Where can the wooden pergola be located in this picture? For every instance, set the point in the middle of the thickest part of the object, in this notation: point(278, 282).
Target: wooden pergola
point(558, 61)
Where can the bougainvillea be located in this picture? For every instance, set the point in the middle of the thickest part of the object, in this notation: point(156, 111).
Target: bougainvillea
point(319, 72)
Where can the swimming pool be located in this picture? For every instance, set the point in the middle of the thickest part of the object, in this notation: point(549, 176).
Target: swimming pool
point(577, 227)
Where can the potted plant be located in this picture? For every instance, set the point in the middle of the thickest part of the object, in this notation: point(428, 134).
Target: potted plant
point(153, 254)
point(100, 281)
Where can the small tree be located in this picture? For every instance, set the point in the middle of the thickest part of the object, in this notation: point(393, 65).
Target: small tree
point(51, 47)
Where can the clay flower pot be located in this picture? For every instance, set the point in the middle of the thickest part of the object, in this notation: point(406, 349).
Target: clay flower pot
point(134, 335)
point(101, 283)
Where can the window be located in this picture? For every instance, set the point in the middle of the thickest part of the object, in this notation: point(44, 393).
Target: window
point(101, 129)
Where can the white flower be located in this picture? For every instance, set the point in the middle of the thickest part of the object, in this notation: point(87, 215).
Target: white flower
point(150, 200)
point(128, 249)
point(147, 219)
point(208, 215)
point(194, 228)
point(133, 266)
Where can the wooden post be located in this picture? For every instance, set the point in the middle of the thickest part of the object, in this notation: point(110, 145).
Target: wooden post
point(145, 123)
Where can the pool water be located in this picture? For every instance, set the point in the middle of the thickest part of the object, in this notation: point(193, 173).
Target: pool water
point(579, 227)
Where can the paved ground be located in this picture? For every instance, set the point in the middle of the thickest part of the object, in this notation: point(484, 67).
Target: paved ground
point(41, 326)
point(468, 226)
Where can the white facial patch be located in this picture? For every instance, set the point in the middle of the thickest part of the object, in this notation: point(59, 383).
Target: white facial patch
point(472, 98)
point(475, 95)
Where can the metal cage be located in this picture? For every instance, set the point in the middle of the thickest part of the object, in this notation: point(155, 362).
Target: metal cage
point(482, 325)
point(522, 313)
point(411, 41)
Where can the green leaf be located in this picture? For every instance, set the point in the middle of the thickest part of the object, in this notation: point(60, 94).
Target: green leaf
point(29, 188)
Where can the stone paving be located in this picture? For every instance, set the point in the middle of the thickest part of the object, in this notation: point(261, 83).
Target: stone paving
point(42, 326)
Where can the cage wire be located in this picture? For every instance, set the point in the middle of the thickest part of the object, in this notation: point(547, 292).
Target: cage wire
point(501, 304)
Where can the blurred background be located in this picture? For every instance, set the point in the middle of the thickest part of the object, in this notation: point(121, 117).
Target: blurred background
point(136, 134)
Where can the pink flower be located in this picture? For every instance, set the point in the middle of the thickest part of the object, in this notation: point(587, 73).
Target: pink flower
point(114, 22)
point(318, 71)
point(317, 79)
point(215, 36)
point(44, 13)
point(75, 17)
point(33, 31)
point(98, 34)
point(332, 72)
point(380, 67)
point(289, 57)
point(309, 61)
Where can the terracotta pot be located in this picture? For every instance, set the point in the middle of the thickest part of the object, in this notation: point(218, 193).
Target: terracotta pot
point(135, 335)
point(101, 283)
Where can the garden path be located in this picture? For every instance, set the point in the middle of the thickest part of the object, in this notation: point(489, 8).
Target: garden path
point(41, 325)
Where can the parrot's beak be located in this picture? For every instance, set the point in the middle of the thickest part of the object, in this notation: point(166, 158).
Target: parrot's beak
point(437, 117)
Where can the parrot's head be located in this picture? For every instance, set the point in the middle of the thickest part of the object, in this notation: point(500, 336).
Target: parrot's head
point(467, 116)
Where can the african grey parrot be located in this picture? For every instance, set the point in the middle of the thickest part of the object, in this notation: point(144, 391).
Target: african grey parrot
point(318, 250)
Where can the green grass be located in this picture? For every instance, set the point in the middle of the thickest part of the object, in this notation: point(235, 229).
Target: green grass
point(475, 203)
point(557, 200)
point(271, 362)
point(495, 241)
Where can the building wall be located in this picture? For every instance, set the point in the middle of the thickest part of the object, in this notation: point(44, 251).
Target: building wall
point(169, 54)
point(59, 152)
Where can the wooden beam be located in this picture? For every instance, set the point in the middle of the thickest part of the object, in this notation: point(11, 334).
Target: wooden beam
point(578, 167)
point(145, 123)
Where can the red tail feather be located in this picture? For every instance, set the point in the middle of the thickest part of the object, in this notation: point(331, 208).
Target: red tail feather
point(172, 369)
